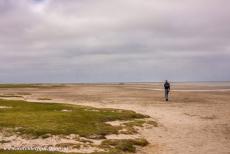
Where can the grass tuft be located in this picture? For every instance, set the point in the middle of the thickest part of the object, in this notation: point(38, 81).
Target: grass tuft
point(124, 145)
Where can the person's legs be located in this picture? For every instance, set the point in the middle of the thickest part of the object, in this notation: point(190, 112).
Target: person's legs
point(166, 94)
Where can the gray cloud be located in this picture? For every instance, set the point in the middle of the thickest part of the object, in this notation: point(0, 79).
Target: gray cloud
point(122, 40)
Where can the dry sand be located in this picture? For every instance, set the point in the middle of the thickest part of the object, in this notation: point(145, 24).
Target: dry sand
point(192, 122)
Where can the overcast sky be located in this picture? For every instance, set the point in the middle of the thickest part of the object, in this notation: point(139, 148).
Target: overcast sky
point(114, 40)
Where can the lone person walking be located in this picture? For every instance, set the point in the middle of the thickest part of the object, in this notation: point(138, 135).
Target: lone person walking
point(167, 89)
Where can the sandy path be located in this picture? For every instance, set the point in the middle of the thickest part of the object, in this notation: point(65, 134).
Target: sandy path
point(182, 130)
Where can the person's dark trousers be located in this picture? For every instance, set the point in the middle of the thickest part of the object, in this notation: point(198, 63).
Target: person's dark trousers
point(166, 94)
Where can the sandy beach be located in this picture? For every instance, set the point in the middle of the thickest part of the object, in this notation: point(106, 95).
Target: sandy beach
point(195, 120)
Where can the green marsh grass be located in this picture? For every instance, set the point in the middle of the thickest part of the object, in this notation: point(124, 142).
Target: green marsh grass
point(39, 119)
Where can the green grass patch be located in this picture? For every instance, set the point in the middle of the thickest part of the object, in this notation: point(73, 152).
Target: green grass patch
point(140, 123)
point(37, 119)
point(153, 123)
point(124, 145)
point(130, 126)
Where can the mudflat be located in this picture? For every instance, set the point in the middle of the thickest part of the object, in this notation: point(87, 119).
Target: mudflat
point(195, 120)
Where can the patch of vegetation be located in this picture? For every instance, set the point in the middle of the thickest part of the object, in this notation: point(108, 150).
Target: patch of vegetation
point(31, 85)
point(31, 152)
point(153, 123)
point(10, 95)
point(4, 141)
point(37, 119)
point(44, 99)
point(45, 136)
point(66, 145)
point(23, 93)
point(112, 151)
point(85, 141)
point(138, 123)
point(47, 152)
point(129, 127)
point(124, 145)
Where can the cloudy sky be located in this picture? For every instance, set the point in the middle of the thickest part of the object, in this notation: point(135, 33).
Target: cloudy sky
point(114, 40)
